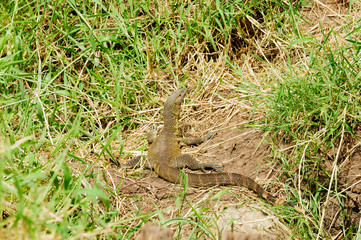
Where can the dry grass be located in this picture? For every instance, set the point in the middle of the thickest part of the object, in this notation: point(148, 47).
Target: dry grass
point(82, 83)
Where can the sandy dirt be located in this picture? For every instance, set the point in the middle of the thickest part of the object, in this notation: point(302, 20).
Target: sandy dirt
point(242, 150)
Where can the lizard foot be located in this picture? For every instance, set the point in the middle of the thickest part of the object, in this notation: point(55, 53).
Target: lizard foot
point(212, 166)
point(209, 135)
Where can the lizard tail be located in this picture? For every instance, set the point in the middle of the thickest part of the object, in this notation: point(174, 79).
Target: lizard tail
point(202, 180)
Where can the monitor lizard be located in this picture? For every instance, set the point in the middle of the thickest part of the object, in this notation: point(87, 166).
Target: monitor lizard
point(165, 158)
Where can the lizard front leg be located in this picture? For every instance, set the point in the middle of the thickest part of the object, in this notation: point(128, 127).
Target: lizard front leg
point(189, 161)
point(152, 134)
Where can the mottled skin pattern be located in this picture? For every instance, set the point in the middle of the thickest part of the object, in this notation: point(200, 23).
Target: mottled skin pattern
point(165, 157)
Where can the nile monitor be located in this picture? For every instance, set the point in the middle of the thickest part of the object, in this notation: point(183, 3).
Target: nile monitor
point(164, 155)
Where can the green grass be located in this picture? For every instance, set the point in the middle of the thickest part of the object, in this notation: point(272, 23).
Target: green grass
point(316, 110)
point(77, 76)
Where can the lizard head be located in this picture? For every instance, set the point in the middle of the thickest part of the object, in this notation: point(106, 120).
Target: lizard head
point(173, 104)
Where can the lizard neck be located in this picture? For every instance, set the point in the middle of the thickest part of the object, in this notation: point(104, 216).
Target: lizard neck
point(170, 121)
point(172, 108)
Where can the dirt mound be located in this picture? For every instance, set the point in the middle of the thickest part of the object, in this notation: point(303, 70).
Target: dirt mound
point(344, 205)
point(239, 150)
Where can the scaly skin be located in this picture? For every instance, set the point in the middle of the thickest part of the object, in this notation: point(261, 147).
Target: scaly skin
point(164, 156)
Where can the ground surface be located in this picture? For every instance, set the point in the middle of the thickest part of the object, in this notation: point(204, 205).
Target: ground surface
point(240, 151)
point(84, 82)
point(245, 150)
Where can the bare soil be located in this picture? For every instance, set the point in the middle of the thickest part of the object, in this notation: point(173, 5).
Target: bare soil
point(345, 162)
point(244, 151)
point(241, 150)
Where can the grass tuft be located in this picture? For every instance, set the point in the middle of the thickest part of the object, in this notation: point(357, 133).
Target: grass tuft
point(80, 81)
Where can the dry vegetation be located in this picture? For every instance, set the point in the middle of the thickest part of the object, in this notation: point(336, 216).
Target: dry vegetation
point(81, 83)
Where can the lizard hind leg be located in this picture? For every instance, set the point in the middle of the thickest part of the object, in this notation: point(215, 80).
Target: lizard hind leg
point(137, 161)
point(189, 161)
point(196, 141)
